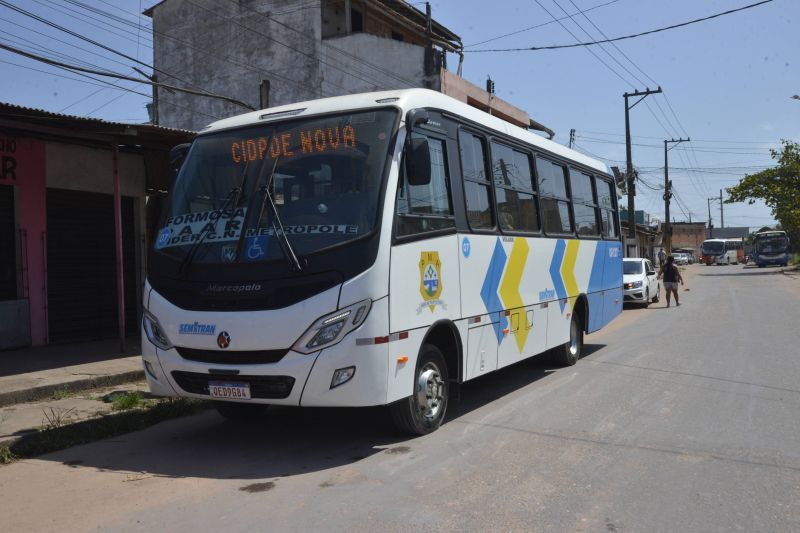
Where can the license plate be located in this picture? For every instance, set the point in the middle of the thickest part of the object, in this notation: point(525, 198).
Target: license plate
point(229, 391)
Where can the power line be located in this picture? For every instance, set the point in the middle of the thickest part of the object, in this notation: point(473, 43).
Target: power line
point(121, 76)
point(728, 141)
point(603, 41)
point(537, 25)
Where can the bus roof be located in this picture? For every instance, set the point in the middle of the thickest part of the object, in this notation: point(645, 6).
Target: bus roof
point(405, 100)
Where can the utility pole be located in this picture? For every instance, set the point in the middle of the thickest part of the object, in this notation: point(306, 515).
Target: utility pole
point(668, 193)
point(710, 226)
point(721, 214)
point(571, 137)
point(629, 163)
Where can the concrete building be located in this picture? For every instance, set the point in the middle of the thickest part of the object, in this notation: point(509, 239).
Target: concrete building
point(688, 236)
point(264, 53)
point(73, 234)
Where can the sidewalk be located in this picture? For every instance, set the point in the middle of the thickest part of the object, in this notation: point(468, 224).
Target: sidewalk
point(50, 387)
point(33, 374)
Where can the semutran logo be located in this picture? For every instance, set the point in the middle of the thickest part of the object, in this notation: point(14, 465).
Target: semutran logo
point(244, 287)
point(196, 328)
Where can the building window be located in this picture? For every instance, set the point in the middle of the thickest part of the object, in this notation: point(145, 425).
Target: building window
point(477, 187)
point(513, 180)
point(553, 197)
point(422, 208)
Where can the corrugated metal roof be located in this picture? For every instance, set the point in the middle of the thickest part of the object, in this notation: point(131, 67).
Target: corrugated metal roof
point(9, 109)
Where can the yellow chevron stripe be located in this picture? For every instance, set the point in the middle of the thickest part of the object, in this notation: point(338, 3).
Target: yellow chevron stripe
point(568, 269)
point(509, 288)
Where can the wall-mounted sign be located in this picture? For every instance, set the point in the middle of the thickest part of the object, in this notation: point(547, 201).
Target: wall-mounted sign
point(8, 159)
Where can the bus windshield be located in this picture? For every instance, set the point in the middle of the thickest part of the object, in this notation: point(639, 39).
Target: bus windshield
point(713, 248)
point(323, 175)
point(771, 244)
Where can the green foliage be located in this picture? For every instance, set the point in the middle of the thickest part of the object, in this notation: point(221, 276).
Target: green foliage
point(778, 187)
point(127, 401)
point(6, 456)
point(59, 436)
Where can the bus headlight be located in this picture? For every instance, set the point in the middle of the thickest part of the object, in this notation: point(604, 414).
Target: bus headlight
point(331, 328)
point(154, 331)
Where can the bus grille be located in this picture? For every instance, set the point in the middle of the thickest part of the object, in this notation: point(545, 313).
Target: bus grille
point(267, 387)
point(252, 357)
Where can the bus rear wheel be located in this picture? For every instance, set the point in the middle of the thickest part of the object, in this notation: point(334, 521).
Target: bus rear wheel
point(423, 411)
point(569, 353)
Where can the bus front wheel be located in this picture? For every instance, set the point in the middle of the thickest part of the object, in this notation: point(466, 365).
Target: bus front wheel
point(423, 411)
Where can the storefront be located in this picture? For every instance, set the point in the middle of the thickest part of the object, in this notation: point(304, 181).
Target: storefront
point(73, 224)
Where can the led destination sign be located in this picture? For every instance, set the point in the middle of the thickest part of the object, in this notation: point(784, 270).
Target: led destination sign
point(285, 145)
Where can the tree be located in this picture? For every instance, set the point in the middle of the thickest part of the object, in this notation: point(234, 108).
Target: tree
point(778, 187)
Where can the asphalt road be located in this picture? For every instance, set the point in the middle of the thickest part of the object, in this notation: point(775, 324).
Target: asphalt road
point(680, 419)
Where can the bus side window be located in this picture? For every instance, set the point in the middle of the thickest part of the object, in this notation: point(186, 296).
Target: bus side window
point(554, 198)
point(423, 208)
point(513, 187)
point(477, 186)
point(584, 203)
point(606, 194)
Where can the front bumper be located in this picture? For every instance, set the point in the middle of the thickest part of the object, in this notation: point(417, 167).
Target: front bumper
point(296, 379)
point(634, 295)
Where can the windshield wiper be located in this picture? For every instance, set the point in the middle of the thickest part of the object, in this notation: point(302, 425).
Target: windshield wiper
point(283, 239)
point(232, 199)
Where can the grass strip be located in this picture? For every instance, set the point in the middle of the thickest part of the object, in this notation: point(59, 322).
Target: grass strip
point(54, 438)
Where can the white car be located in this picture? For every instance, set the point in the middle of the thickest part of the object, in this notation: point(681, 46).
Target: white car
point(681, 258)
point(640, 281)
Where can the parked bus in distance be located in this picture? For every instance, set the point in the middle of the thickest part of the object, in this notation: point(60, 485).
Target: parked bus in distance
point(374, 249)
point(771, 248)
point(722, 252)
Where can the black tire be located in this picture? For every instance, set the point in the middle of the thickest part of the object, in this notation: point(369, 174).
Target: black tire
point(570, 352)
point(240, 411)
point(423, 411)
point(646, 302)
point(657, 297)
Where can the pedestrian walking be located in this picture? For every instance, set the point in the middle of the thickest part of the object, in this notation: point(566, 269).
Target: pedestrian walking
point(662, 256)
point(671, 276)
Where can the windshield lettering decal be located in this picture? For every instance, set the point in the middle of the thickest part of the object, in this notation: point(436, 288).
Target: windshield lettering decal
point(181, 230)
point(309, 229)
point(288, 145)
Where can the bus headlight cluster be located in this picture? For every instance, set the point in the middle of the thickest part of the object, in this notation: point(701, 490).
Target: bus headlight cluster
point(330, 329)
point(154, 331)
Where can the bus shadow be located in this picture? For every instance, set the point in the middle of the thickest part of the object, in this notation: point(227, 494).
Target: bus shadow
point(287, 441)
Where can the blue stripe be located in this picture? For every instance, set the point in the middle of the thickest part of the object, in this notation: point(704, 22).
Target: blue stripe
point(596, 276)
point(489, 289)
point(555, 272)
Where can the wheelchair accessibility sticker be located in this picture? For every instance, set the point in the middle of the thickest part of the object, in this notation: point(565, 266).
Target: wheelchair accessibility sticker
point(256, 247)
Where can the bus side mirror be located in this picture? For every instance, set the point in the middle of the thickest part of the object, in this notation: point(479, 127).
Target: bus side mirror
point(418, 162)
point(176, 157)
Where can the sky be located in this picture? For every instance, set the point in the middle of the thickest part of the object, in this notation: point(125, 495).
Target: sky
point(727, 82)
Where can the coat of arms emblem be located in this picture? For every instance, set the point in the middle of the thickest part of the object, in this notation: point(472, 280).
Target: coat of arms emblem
point(430, 278)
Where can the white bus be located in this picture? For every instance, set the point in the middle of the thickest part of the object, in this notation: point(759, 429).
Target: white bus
point(317, 254)
point(723, 251)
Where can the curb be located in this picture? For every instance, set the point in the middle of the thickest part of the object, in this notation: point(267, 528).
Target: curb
point(44, 392)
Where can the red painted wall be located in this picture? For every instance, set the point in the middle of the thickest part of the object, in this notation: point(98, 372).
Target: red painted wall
point(22, 164)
